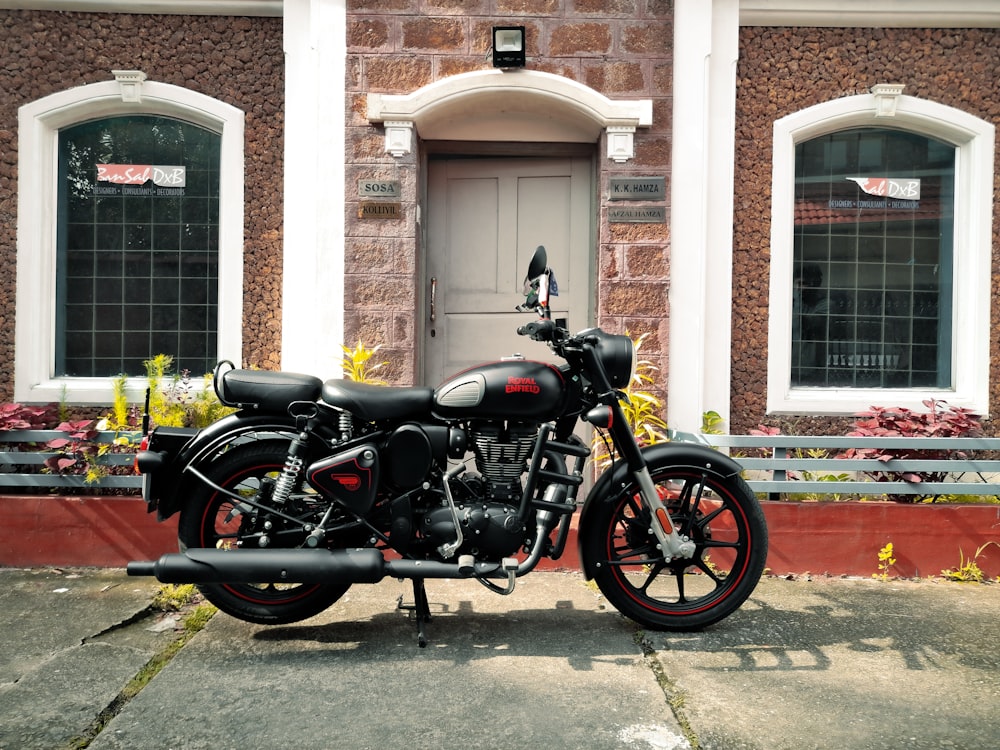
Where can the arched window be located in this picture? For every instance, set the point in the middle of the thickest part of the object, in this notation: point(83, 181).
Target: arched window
point(880, 258)
point(129, 237)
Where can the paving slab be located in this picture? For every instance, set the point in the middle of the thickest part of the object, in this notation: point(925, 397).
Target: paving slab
point(835, 663)
point(71, 641)
point(549, 666)
point(839, 664)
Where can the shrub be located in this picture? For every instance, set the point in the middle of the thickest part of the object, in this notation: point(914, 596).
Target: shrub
point(940, 420)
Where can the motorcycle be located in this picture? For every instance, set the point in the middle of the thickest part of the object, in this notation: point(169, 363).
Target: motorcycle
point(312, 487)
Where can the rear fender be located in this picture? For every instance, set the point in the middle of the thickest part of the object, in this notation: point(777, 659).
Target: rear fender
point(172, 482)
point(679, 455)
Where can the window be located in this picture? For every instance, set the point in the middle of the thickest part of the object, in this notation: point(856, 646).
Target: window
point(137, 237)
point(880, 258)
point(112, 270)
point(872, 261)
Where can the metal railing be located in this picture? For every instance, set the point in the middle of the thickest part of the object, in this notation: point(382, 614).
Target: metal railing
point(791, 454)
point(24, 468)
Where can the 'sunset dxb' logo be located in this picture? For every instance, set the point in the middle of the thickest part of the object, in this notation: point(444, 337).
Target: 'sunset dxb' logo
point(523, 385)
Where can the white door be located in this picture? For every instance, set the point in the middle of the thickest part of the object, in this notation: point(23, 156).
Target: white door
point(485, 219)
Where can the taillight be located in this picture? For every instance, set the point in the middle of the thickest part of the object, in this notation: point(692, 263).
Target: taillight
point(143, 445)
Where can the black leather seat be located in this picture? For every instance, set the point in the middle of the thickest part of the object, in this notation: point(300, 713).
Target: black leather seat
point(373, 403)
point(266, 390)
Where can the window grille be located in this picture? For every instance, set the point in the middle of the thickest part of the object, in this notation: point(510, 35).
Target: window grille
point(137, 262)
point(872, 263)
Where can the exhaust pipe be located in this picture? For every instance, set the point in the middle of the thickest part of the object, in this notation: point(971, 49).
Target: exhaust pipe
point(265, 566)
point(362, 565)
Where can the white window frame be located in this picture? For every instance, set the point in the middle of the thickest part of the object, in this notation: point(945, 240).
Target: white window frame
point(973, 139)
point(39, 124)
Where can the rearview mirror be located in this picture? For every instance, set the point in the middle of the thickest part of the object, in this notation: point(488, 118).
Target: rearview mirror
point(538, 263)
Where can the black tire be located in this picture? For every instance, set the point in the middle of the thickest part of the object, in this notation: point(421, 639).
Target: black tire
point(208, 520)
point(720, 514)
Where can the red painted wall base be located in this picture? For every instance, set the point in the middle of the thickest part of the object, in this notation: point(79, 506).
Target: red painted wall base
point(845, 538)
point(819, 538)
point(84, 531)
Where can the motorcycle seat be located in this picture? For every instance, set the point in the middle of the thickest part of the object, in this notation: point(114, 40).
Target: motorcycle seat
point(373, 403)
point(267, 390)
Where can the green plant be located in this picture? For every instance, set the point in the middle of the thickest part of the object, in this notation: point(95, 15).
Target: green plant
point(173, 597)
point(119, 419)
point(885, 562)
point(968, 570)
point(712, 423)
point(940, 420)
point(357, 366)
point(175, 402)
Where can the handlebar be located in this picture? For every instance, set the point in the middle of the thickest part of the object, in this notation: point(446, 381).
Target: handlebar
point(540, 330)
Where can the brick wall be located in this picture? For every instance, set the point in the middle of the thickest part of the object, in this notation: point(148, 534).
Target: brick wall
point(784, 70)
point(621, 48)
point(236, 60)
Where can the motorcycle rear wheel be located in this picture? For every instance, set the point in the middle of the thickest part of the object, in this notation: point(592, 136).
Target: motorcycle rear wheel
point(211, 519)
point(720, 514)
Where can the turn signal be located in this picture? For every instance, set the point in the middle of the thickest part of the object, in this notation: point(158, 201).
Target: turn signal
point(600, 416)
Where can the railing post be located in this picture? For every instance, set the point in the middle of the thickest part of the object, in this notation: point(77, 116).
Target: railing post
point(778, 475)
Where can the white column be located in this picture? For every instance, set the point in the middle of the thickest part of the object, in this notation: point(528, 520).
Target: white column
point(312, 321)
point(701, 221)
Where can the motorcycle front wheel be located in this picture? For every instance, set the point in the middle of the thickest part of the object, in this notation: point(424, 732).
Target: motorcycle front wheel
point(213, 519)
point(723, 518)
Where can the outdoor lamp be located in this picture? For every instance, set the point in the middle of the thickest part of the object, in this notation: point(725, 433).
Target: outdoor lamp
point(508, 46)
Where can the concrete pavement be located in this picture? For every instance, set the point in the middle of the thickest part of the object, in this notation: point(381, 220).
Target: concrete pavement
point(827, 663)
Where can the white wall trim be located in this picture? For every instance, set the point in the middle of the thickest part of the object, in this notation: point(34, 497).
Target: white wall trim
point(974, 139)
point(932, 14)
point(701, 211)
point(38, 134)
point(312, 318)
point(176, 7)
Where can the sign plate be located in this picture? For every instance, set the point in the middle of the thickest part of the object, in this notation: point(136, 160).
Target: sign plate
point(638, 189)
point(379, 210)
point(378, 189)
point(643, 215)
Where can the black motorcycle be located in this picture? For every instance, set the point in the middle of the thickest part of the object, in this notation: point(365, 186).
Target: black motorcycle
point(313, 486)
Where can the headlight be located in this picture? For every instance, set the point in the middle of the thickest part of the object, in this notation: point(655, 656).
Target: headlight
point(617, 355)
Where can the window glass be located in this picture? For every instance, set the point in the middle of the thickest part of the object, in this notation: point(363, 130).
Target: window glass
point(872, 261)
point(138, 229)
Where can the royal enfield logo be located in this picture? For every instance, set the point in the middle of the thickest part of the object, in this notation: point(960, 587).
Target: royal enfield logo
point(349, 482)
point(523, 385)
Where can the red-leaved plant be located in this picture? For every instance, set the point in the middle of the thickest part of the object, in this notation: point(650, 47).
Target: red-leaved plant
point(940, 420)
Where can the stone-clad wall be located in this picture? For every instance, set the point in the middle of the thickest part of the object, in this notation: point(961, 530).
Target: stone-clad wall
point(236, 60)
point(621, 48)
point(784, 70)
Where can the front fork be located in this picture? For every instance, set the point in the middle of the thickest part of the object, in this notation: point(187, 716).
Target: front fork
point(673, 544)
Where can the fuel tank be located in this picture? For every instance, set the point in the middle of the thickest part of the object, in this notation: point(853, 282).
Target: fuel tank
point(516, 389)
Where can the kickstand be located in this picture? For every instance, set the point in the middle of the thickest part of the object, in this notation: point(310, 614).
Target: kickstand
point(420, 608)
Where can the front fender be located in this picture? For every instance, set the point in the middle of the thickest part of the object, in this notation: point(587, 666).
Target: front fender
point(680, 455)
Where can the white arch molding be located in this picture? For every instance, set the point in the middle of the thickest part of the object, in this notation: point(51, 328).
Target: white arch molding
point(39, 123)
point(973, 139)
point(504, 105)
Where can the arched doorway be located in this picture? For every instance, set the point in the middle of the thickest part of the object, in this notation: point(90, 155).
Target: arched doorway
point(510, 160)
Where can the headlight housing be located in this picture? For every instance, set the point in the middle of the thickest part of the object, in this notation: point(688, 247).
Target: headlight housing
point(618, 357)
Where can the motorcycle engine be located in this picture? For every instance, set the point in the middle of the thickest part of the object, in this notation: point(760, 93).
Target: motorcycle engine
point(487, 504)
point(501, 451)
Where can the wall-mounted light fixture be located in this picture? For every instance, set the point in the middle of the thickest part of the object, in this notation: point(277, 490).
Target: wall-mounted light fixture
point(508, 46)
